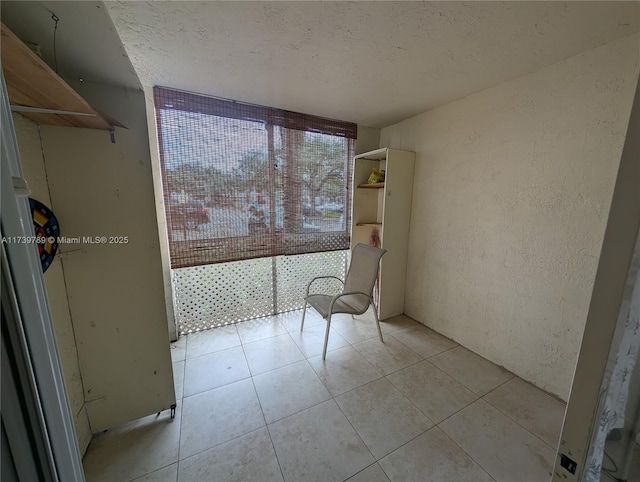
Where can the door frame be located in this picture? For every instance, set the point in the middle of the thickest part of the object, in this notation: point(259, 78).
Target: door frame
point(29, 343)
point(620, 237)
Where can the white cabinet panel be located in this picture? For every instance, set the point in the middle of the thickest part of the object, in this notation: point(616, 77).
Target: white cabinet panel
point(116, 292)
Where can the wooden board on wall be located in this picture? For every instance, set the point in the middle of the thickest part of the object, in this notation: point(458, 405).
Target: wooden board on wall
point(32, 83)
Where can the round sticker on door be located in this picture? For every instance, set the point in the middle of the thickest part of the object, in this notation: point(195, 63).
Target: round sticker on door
point(46, 230)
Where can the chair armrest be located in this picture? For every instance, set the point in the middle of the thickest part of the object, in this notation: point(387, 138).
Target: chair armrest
point(339, 295)
point(322, 277)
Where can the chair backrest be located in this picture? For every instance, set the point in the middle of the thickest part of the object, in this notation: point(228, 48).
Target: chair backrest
point(363, 269)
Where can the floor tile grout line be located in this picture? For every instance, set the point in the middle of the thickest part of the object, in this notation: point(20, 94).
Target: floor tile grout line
point(276, 368)
point(407, 442)
point(442, 352)
point(360, 471)
point(212, 352)
point(445, 433)
point(219, 445)
point(216, 387)
point(264, 418)
point(352, 344)
point(410, 365)
point(403, 344)
point(498, 386)
point(184, 373)
point(255, 391)
point(331, 396)
point(299, 411)
point(555, 449)
point(448, 376)
point(355, 431)
point(288, 364)
point(406, 346)
point(251, 375)
point(153, 471)
point(485, 470)
point(468, 454)
point(306, 408)
point(234, 438)
point(178, 398)
point(458, 411)
point(435, 424)
point(216, 351)
point(419, 354)
point(398, 369)
point(417, 362)
point(461, 382)
point(347, 418)
point(271, 337)
point(402, 395)
point(382, 375)
point(242, 342)
point(457, 445)
point(372, 381)
point(275, 452)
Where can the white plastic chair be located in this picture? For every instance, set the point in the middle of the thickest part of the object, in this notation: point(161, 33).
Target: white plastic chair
point(357, 292)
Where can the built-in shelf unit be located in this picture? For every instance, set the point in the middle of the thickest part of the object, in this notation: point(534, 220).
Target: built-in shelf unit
point(385, 207)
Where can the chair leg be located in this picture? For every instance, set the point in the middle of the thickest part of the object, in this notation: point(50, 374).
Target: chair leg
point(304, 312)
point(375, 314)
point(326, 337)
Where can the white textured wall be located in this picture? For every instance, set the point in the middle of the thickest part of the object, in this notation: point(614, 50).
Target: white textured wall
point(33, 166)
point(368, 139)
point(511, 195)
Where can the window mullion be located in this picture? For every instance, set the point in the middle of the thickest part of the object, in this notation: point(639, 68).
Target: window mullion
point(273, 216)
point(272, 181)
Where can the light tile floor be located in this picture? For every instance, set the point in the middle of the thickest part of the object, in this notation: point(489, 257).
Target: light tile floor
point(257, 402)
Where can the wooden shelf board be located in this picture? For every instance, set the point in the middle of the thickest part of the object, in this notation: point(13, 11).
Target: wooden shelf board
point(375, 185)
point(377, 155)
point(369, 224)
point(32, 83)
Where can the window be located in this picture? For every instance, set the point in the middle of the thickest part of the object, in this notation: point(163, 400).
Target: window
point(243, 181)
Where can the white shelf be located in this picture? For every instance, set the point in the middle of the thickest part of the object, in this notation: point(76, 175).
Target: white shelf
point(375, 185)
point(387, 207)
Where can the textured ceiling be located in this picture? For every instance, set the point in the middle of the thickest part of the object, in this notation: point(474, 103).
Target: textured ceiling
point(373, 63)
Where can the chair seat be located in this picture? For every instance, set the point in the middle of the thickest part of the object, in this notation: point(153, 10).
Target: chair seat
point(352, 304)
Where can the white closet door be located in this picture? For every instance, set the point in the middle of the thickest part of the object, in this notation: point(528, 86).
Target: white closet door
point(115, 288)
